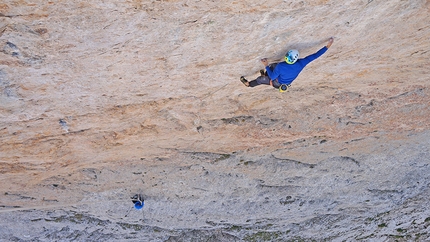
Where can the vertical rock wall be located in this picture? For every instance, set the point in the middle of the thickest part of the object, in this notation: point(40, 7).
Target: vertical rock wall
point(100, 100)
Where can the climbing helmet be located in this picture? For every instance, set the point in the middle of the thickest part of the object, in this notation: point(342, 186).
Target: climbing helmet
point(292, 56)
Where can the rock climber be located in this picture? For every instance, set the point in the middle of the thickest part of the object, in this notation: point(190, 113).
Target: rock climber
point(281, 75)
point(138, 201)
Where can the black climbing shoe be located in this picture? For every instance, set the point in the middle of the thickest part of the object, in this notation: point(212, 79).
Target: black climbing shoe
point(244, 81)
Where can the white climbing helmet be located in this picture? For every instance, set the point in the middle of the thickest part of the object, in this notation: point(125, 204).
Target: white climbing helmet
point(292, 56)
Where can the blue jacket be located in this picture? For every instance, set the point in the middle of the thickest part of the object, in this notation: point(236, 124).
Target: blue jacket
point(286, 73)
point(139, 205)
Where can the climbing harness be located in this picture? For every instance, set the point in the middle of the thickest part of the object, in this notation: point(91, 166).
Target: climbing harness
point(284, 87)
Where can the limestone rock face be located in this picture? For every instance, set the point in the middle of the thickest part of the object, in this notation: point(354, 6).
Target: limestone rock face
point(103, 99)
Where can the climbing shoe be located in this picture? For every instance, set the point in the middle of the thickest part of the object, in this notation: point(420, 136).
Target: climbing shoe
point(244, 81)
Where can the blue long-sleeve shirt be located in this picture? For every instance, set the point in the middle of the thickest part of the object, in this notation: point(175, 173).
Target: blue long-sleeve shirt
point(287, 73)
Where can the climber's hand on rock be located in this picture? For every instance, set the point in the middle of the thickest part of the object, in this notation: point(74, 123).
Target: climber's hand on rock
point(265, 62)
point(330, 41)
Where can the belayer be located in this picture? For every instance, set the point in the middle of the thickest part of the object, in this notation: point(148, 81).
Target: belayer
point(138, 201)
point(281, 75)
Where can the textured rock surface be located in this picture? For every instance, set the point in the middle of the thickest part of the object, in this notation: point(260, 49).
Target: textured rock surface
point(101, 100)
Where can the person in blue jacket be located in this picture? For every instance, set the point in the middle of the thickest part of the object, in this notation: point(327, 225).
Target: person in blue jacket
point(281, 75)
point(138, 201)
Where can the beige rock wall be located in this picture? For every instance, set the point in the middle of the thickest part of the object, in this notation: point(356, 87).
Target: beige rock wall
point(98, 96)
